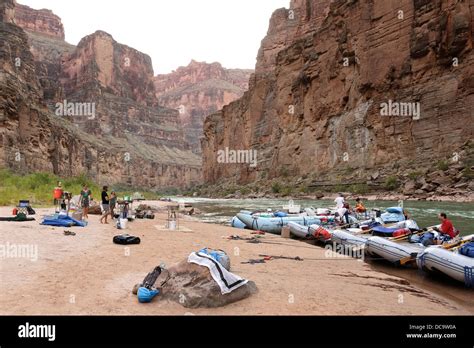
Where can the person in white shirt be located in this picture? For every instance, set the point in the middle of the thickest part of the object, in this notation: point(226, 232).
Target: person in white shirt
point(340, 201)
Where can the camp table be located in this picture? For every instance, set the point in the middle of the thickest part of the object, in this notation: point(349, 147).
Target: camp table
point(125, 204)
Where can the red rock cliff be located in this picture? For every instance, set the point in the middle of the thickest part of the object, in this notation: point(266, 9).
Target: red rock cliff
point(39, 21)
point(130, 139)
point(198, 90)
point(313, 110)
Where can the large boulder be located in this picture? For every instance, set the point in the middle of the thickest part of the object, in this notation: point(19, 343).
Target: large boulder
point(192, 286)
point(439, 178)
point(410, 187)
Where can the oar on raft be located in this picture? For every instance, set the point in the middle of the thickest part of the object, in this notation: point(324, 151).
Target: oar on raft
point(448, 246)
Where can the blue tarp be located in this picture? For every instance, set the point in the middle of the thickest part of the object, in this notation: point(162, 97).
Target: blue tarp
point(62, 221)
point(383, 230)
point(392, 217)
point(395, 210)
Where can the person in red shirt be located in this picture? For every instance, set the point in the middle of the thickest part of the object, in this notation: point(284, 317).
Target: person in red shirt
point(447, 227)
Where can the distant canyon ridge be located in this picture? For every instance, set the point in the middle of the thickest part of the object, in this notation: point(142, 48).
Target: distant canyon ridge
point(132, 127)
point(198, 90)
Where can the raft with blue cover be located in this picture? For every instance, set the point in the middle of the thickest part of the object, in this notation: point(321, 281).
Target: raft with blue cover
point(392, 215)
point(383, 231)
point(62, 221)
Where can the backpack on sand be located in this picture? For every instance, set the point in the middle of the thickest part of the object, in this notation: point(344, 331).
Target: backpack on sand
point(125, 239)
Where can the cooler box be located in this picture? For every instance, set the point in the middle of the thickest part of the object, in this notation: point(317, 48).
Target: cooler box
point(77, 215)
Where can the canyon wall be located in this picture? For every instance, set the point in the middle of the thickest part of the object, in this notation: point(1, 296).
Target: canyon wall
point(325, 68)
point(39, 21)
point(198, 90)
point(128, 138)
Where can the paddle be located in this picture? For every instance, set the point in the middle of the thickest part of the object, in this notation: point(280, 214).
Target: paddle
point(449, 246)
point(270, 257)
point(408, 235)
point(457, 244)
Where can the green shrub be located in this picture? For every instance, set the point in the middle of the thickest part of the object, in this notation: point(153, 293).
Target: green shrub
point(391, 183)
point(442, 165)
point(414, 175)
point(360, 189)
point(276, 187)
point(38, 188)
point(287, 191)
point(244, 190)
point(303, 189)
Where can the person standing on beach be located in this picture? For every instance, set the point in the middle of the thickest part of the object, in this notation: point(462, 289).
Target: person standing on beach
point(105, 205)
point(340, 201)
point(113, 203)
point(58, 196)
point(84, 201)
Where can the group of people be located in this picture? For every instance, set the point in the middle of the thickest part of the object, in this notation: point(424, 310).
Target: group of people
point(343, 210)
point(108, 202)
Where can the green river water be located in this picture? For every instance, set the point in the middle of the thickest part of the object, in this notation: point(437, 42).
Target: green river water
point(425, 213)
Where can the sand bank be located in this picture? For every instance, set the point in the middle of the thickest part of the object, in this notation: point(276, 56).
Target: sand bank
point(88, 274)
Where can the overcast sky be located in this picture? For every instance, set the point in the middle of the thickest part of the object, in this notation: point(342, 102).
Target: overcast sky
point(172, 32)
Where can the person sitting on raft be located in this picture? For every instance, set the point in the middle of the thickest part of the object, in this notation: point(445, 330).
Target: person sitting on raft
point(447, 228)
point(359, 207)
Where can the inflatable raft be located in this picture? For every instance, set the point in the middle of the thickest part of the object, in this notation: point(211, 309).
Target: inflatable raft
point(299, 230)
point(235, 222)
point(448, 262)
point(348, 238)
point(274, 225)
point(315, 231)
point(392, 251)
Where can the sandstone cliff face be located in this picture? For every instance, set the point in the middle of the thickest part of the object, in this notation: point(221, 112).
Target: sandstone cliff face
point(45, 33)
point(130, 138)
point(42, 21)
point(198, 90)
point(119, 80)
point(313, 109)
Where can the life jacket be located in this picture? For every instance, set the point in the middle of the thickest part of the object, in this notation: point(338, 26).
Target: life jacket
point(400, 232)
point(58, 193)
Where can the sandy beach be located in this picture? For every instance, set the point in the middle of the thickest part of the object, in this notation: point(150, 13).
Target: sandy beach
point(88, 274)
